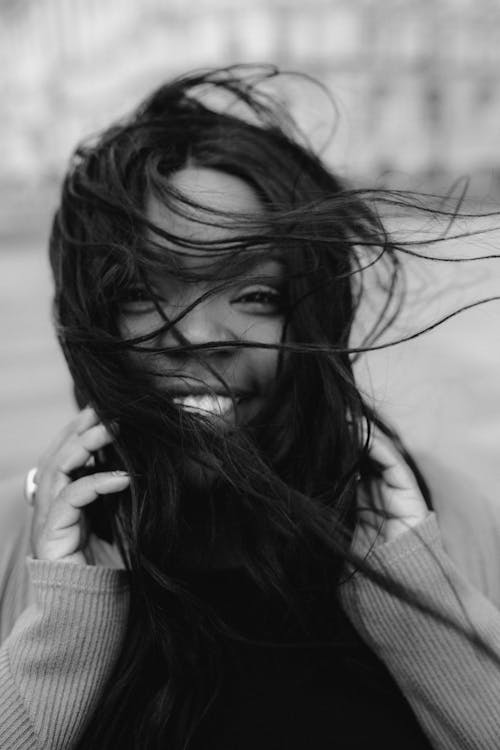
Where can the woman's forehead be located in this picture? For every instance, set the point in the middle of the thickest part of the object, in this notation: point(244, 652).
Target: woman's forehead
point(206, 226)
point(214, 194)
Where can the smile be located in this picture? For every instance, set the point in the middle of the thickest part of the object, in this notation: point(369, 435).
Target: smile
point(206, 404)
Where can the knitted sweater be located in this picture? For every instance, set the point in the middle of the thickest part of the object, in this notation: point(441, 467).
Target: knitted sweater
point(62, 625)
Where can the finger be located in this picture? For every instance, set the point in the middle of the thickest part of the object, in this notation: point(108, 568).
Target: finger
point(52, 477)
point(397, 473)
point(49, 486)
point(86, 419)
point(67, 508)
point(85, 490)
point(77, 451)
point(65, 546)
point(63, 531)
point(82, 422)
point(399, 496)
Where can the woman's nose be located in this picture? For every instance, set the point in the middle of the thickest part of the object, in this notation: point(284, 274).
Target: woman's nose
point(203, 323)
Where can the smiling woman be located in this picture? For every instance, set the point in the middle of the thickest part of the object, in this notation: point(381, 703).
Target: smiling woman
point(285, 581)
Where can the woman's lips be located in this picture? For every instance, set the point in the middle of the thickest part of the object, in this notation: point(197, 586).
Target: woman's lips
point(225, 412)
point(207, 404)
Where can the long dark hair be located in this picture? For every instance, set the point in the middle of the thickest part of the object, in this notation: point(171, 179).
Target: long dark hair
point(288, 484)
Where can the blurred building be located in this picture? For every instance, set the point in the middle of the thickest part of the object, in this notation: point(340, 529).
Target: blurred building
point(416, 82)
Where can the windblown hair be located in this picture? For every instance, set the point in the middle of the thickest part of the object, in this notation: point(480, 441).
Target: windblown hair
point(286, 483)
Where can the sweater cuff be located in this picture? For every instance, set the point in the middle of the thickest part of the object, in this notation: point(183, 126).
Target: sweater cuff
point(422, 540)
point(94, 579)
point(425, 535)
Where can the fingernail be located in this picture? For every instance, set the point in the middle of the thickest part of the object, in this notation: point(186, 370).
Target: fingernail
point(118, 473)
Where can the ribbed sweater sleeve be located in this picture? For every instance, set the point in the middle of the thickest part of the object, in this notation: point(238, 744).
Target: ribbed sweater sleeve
point(54, 663)
point(452, 684)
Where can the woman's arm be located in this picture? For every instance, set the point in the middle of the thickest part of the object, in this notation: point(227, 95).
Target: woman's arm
point(60, 650)
point(449, 671)
point(446, 656)
point(55, 662)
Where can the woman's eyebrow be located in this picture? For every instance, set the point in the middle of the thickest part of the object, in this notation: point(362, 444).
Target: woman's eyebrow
point(263, 271)
point(239, 265)
point(274, 260)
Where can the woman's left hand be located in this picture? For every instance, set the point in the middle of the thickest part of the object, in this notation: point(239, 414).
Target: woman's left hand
point(397, 503)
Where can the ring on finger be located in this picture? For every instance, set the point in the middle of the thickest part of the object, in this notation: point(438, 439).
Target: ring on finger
point(30, 486)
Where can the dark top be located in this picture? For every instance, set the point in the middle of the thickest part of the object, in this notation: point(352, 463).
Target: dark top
point(314, 687)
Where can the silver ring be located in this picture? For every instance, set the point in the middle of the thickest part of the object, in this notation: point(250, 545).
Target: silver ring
point(30, 486)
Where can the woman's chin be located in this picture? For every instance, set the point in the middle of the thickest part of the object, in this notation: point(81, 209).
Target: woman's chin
point(202, 470)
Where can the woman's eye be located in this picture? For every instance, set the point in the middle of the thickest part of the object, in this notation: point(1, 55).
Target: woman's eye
point(137, 299)
point(263, 299)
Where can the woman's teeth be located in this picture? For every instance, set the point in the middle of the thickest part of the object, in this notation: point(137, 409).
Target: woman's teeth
point(205, 404)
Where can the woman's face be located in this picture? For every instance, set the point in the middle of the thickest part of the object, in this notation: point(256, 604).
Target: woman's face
point(249, 310)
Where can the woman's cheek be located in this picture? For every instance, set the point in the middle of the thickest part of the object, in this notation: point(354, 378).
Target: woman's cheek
point(265, 361)
point(140, 324)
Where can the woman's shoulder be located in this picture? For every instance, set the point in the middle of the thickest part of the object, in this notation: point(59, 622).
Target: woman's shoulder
point(15, 522)
point(14, 513)
point(469, 522)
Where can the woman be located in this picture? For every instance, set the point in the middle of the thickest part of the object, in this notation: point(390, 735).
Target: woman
point(207, 272)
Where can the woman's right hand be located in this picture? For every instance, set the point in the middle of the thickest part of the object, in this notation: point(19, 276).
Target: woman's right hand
point(59, 530)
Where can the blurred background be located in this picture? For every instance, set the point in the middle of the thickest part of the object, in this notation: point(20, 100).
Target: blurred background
point(417, 95)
